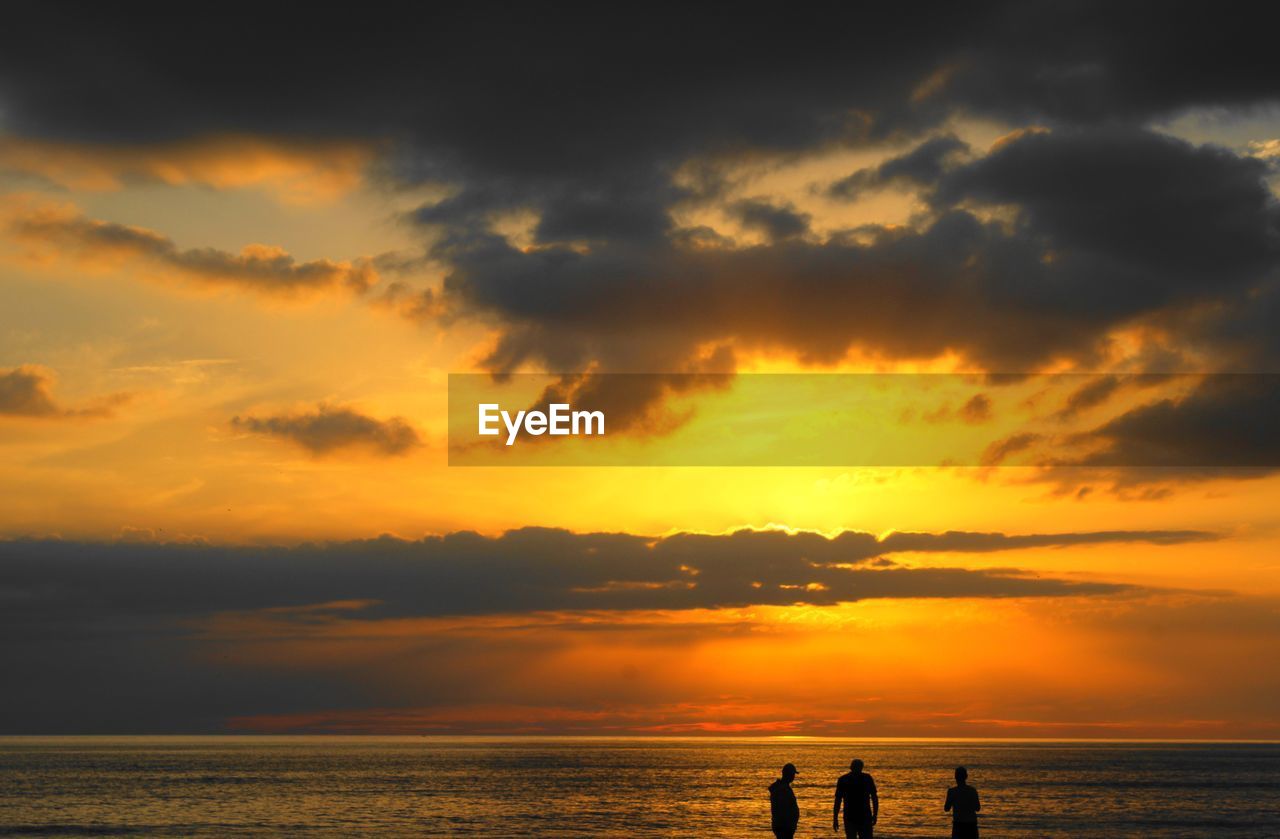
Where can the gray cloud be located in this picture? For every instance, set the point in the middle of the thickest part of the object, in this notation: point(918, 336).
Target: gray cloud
point(923, 166)
point(1096, 246)
point(28, 392)
point(1110, 228)
point(330, 428)
point(587, 93)
point(1221, 427)
point(1090, 395)
point(25, 392)
point(1227, 422)
point(180, 637)
point(602, 125)
point(52, 586)
point(1142, 220)
point(776, 221)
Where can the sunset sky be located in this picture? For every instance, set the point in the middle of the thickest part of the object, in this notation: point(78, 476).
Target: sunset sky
point(241, 256)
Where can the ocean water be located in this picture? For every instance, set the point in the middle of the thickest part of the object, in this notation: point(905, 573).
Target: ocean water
point(423, 786)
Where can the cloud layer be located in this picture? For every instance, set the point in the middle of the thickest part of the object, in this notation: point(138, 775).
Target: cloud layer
point(357, 635)
point(532, 569)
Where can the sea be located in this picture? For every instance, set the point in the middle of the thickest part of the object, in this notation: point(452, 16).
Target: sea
point(440, 786)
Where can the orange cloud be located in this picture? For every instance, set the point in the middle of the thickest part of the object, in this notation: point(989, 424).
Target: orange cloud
point(294, 172)
point(51, 233)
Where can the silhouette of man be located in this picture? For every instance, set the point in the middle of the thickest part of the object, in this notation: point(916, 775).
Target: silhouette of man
point(963, 804)
point(857, 790)
point(782, 804)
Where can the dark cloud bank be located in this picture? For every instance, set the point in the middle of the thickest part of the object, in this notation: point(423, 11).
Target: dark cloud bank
point(53, 585)
point(117, 637)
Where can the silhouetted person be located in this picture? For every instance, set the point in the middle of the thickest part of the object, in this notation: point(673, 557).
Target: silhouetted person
point(963, 804)
point(782, 804)
point(861, 804)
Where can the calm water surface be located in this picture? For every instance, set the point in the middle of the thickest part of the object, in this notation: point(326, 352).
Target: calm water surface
point(314, 786)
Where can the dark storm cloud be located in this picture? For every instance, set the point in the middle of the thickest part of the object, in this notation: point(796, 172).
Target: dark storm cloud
point(923, 166)
point(1163, 219)
point(1111, 227)
point(777, 222)
point(586, 112)
point(1222, 426)
point(527, 94)
point(583, 117)
point(650, 309)
point(1226, 422)
point(1092, 62)
point(604, 89)
point(1034, 252)
point(1244, 330)
point(328, 429)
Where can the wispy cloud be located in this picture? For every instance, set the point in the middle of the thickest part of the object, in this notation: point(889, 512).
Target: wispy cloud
point(294, 171)
point(27, 391)
point(50, 233)
point(330, 428)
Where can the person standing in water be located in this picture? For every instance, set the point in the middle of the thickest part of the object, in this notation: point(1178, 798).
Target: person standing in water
point(857, 790)
point(963, 804)
point(782, 804)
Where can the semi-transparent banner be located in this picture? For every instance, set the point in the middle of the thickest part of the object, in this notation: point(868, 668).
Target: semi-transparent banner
point(1184, 421)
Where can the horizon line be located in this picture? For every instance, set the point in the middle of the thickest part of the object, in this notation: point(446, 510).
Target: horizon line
point(779, 738)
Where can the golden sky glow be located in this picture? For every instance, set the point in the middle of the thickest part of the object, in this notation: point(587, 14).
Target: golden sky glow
point(176, 311)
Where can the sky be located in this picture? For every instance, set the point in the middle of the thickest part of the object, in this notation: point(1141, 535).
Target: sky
point(241, 255)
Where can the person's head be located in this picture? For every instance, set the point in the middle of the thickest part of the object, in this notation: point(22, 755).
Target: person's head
point(856, 765)
point(789, 772)
point(962, 774)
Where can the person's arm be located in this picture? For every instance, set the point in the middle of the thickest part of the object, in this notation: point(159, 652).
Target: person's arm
point(946, 808)
point(977, 805)
point(835, 813)
point(875, 802)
